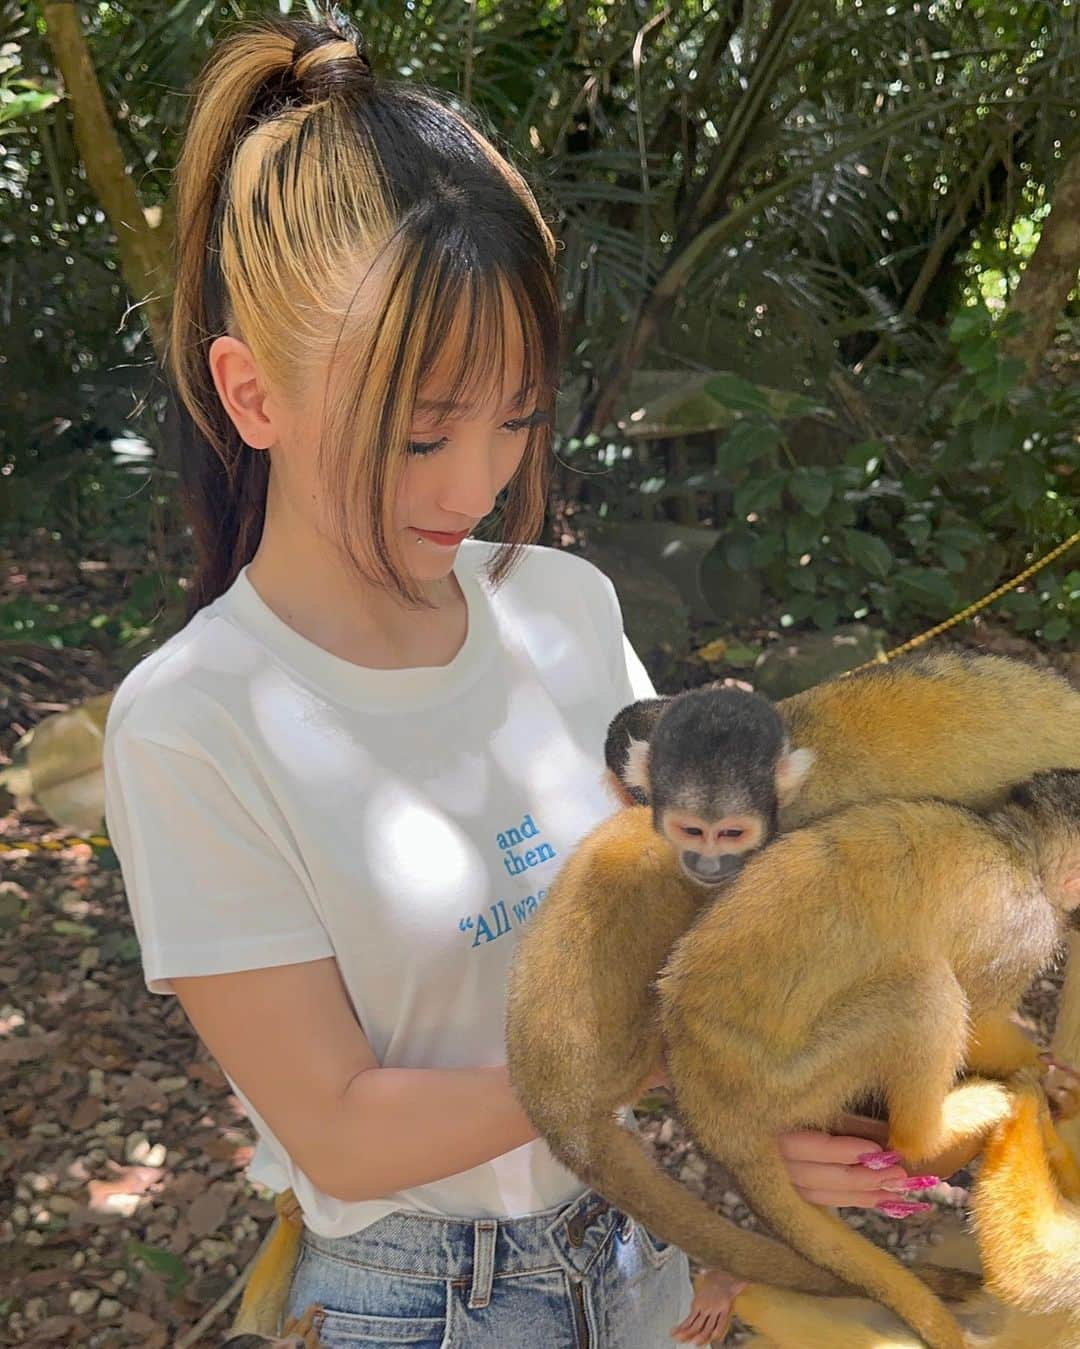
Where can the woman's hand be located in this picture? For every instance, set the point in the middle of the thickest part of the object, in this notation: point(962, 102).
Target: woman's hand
point(852, 1169)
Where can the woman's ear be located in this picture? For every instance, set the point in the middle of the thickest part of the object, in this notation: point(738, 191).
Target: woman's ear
point(239, 385)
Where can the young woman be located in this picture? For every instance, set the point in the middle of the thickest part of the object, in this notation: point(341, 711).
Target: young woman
point(342, 788)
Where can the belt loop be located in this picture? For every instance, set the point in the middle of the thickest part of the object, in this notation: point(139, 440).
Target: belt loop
point(483, 1261)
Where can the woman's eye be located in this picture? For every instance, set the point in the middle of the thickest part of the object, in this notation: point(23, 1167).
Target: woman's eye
point(520, 424)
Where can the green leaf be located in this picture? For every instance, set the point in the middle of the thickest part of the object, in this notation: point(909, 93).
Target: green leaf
point(979, 356)
point(993, 436)
point(748, 441)
point(968, 323)
point(929, 585)
point(811, 488)
point(14, 106)
point(742, 657)
point(802, 534)
point(766, 547)
point(1058, 627)
point(737, 393)
point(952, 559)
point(960, 536)
point(867, 455)
point(1026, 479)
point(66, 928)
point(759, 494)
point(1002, 379)
point(165, 1263)
point(868, 552)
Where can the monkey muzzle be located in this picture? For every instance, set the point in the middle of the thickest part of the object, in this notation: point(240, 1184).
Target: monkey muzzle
point(710, 870)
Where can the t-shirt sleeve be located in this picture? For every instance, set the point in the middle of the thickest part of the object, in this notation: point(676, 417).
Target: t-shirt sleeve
point(210, 891)
point(630, 678)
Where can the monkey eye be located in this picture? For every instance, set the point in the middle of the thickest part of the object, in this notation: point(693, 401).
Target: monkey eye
point(732, 833)
point(691, 830)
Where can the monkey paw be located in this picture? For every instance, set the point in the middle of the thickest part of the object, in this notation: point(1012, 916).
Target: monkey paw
point(300, 1332)
point(1061, 1083)
point(709, 1316)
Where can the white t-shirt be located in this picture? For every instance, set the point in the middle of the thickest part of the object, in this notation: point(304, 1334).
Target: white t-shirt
point(270, 803)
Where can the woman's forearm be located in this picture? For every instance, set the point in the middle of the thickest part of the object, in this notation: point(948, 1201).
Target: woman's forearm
point(402, 1127)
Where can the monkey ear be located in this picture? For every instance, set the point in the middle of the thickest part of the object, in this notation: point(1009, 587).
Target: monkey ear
point(791, 770)
point(624, 795)
point(636, 769)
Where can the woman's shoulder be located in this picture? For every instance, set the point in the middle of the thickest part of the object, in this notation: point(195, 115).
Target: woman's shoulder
point(177, 694)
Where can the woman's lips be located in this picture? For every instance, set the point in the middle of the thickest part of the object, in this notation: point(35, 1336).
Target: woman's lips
point(439, 537)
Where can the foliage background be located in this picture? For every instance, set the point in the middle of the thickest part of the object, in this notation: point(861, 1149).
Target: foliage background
point(795, 243)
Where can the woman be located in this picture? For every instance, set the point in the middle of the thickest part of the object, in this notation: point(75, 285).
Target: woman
point(339, 791)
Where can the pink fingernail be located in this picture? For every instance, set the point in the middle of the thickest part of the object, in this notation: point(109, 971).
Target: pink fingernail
point(904, 1184)
point(897, 1208)
point(878, 1161)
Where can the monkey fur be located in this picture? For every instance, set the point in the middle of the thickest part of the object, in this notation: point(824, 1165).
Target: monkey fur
point(956, 725)
point(1026, 1206)
point(618, 903)
point(874, 976)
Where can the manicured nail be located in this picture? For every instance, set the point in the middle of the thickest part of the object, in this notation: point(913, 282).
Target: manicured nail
point(897, 1208)
point(878, 1161)
point(902, 1185)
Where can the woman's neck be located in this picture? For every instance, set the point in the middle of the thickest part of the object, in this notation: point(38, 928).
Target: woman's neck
point(310, 586)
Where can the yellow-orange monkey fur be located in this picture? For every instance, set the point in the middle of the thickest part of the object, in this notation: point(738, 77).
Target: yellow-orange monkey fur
point(873, 977)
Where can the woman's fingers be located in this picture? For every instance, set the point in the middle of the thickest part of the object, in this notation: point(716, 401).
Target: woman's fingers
point(855, 1180)
point(811, 1146)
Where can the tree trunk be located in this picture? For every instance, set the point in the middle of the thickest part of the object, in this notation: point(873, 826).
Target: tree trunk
point(1052, 272)
point(145, 260)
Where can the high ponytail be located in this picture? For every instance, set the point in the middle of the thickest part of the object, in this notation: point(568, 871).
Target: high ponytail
point(299, 170)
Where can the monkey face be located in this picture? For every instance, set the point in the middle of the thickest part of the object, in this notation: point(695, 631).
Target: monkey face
point(712, 851)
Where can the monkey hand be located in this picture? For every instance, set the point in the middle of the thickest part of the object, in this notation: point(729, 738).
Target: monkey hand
point(1061, 1083)
point(849, 1171)
point(297, 1333)
point(710, 1312)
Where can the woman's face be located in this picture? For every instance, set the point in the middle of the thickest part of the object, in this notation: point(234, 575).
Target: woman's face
point(448, 488)
point(451, 486)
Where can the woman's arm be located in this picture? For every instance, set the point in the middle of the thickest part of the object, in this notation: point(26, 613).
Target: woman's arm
point(288, 1038)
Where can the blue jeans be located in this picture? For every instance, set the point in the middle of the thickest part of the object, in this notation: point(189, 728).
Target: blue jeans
point(583, 1276)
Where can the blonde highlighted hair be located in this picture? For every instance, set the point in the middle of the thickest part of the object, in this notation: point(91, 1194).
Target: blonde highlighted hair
point(300, 173)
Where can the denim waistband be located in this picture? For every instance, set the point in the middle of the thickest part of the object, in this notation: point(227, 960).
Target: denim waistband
point(470, 1252)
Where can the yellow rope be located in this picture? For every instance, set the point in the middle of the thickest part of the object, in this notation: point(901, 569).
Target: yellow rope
point(924, 637)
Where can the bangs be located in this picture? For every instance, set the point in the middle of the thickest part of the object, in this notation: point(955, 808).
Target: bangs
point(473, 317)
point(461, 317)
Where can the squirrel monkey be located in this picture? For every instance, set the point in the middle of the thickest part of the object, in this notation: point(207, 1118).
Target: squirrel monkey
point(889, 929)
point(620, 901)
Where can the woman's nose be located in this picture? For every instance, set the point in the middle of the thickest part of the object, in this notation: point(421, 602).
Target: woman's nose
point(472, 483)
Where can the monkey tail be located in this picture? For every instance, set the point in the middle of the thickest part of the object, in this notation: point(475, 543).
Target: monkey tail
point(1029, 1234)
point(797, 1321)
point(617, 1166)
point(271, 1271)
point(827, 1240)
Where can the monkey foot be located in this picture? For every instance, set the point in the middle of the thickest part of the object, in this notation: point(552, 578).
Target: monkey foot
point(300, 1332)
point(1061, 1082)
point(709, 1316)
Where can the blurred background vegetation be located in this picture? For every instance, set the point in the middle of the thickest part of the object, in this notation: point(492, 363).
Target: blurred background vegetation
point(819, 273)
